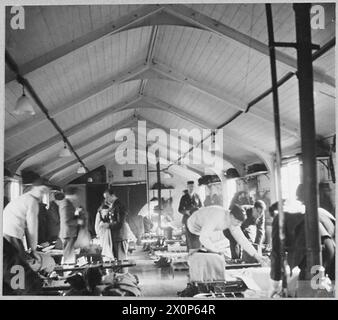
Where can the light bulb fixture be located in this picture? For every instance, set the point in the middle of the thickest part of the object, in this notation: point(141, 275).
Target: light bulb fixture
point(81, 170)
point(24, 105)
point(90, 180)
point(64, 153)
point(214, 146)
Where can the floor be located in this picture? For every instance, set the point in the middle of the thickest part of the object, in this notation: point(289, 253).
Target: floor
point(155, 281)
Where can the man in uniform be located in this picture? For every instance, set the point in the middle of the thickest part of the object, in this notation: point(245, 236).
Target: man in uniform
point(190, 202)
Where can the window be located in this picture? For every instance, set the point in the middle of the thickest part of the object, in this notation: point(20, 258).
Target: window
point(127, 173)
point(290, 180)
point(45, 199)
point(231, 189)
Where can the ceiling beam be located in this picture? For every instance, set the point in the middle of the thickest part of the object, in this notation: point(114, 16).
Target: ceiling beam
point(149, 57)
point(237, 164)
point(27, 85)
point(137, 103)
point(228, 137)
point(84, 96)
point(159, 104)
point(94, 162)
point(101, 161)
point(123, 23)
point(148, 102)
point(224, 31)
point(170, 149)
point(88, 141)
point(15, 162)
point(152, 44)
point(50, 173)
point(224, 97)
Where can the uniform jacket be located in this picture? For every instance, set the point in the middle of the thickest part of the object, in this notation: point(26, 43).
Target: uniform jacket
point(117, 220)
point(190, 203)
point(53, 221)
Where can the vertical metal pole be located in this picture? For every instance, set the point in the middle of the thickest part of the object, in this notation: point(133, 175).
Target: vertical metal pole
point(158, 171)
point(278, 144)
point(147, 181)
point(308, 134)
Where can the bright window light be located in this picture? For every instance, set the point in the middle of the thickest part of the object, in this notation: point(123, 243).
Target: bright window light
point(45, 199)
point(290, 180)
point(15, 189)
point(231, 188)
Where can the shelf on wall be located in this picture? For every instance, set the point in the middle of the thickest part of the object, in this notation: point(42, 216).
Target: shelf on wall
point(254, 174)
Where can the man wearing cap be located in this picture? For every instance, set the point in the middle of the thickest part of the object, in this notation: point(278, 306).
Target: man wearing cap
point(190, 202)
point(20, 221)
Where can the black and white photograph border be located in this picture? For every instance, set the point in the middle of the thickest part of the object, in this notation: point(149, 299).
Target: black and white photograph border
point(168, 150)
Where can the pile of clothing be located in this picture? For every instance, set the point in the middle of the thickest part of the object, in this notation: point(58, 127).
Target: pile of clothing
point(125, 284)
point(163, 262)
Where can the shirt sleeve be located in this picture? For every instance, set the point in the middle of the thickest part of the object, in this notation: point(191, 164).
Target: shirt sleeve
point(97, 223)
point(275, 272)
point(181, 207)
point(199, 201)
point(32, 224)
point(241, 239)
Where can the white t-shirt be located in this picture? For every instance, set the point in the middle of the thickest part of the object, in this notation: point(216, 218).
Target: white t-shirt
point(207, 221)
point(21, 214)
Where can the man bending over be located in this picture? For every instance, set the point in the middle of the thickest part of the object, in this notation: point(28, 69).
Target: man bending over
point(207, 226)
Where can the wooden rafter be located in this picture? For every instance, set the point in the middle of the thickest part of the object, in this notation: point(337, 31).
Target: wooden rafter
point(224, 97)
point(125, 22)
point(16, 161)
point(203, 21)
point(75, 102)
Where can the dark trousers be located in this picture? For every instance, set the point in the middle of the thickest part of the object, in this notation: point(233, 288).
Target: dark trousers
point(120, 251)
point(329, 256)
point(235, 248)
point(192, 240)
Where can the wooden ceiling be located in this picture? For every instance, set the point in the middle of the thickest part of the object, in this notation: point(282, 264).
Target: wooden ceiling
point(98, 68)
